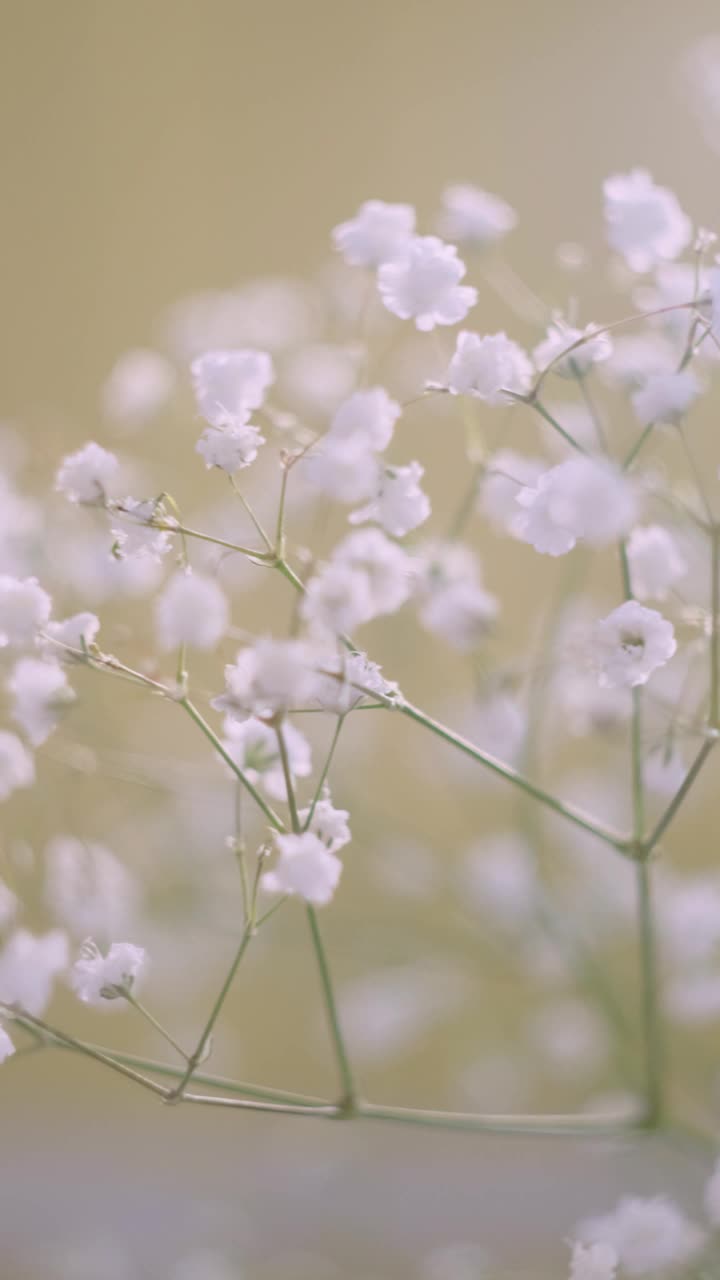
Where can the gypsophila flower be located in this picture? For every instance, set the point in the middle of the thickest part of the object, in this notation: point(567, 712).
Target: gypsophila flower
point(649, 1236)
point(327, 823)
point(192, 610)
point(74, 634)
point(138, 386)
point(29, 965)
point(454, 604)
point(254, 747)
point(665, 397)
point(583, 348)
point(136, 537)
point(388, 567)
point(377, 233)
point(399, 504)
point(337, 598)
point(230, 448)
point(97, 978)
point(350, 677)
point(17, 767)
point(7, 1048)
point(583, 499)
point(40, 693)
point(88, 474)
point(643, 222)
point(636, 357)
point(504, 475)
point(630, 644)
point(305, 868)
point(9, 905)
point(488, 367)
point(24, 610)
point(593, 1261)
point(228, 384)
point(424, 284)
point(271, 676)
point(88, 889)
point(474, 217)
point(656, 564)
point(369, 415)
point(711, 1196)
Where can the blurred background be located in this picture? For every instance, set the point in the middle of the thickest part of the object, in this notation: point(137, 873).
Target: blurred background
point(165, 148)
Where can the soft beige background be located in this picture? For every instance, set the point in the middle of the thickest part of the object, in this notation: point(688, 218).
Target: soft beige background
point(152, 148)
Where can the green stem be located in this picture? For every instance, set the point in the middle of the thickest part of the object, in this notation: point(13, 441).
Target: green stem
point(253, 517)
point(650, 1011)
point(714, 712)
point(218, 542)
point(638, 445)
point(212, 737)
point(325, 771)
point(568, 1126)
point(62, 1040)
point(664, 822)
point(149, 1017)
point(539, 408)
point(343, 1061)
point(287, 774)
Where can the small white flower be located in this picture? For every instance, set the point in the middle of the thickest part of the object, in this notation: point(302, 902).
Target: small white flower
point(191, 610)
point(136, 536)
point(138, 386)
point(630, 644)
point(350, 678)
point(228, 384)
point(328, 823)
point(597, 1261)
point(643, 222)
point(40, 693)
point(665, 397)
point(650, 1236)
point(337, 598)
point(711, 1196)
point(462, 614)
point(424, 284)
point(637, 357)
point(29, 965)
point(388, 567)
point(305, 867)
point(377, 233)
point(368, 415)
point(487, 367)
point(230, 448)
point(96, 977)
point(400, 504)
point(88, 474)
point(17, 767)
point(7, 1048)
point(345, 470)
point(270, 676)
point(656, 564)
point(254, 747)
point(77, 633)
point(586, 499)
point(88, 889)
point(505, 474)
point(24, 610)
point(474, 217)
point(580, 358)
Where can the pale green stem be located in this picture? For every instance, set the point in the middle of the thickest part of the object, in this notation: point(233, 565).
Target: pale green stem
point(696, 475)
point(63, 1040)
point(592, 409)
point(280, 527)
point(287, 774)
point(252, 516)
point(348, 1086)
point(217, 542)
point(152, 1020)
point(558, 1126)
point(714, 713)
point(638, 445)
point(212, 737)
point(535, 404)
point(326, 769)
point(664, 822)
point(328, 1112)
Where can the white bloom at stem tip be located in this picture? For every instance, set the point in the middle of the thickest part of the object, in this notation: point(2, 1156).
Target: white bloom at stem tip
point(597, 1261)
point(351, 677)
point(337, 598)
point(474, 217)
point(399, 505)
point(88, 474)
point(630, 644)
point(345, 470)
point(76, 633)
point(193, 610)
point(488, 367)
point(29, 965)
point(585, 347)
point(369, 415)
point(228, 384)
point(650, 1236)
point(138, 386)
point(643, 222)
point(270, 676)
point(656, 564)
point(7, 1048)
point(424, 284)
point(230, 448)
point(665, 397)
point(40, 693)
point(136, 537)
point(377, 233)
point(328, 823)
point(305, 867)
point(24, 610)
point(96, 978)
point(582, 499)
point(388, 566)
point(17, 766)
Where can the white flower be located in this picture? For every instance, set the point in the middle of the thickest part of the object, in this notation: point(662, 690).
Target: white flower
point(228, 384)
point(369, 416)
point(29, 965)
point(593, 1261)
point(270, 676)
point(230, 448)
point(638, 356)
point(474, 217)
point(337, 598)
point(328, 823)
point(487, 367)
point(254, 747)
point(136, 537)
point(77, 632)
point(389, 568)
point(656, 564)
point(665, 397)
point(424, 284)
point(305, 867)
point(8, 905)
point(88, 474)
point(96, 978)
point(138, 386)
point(318, 377)
point(505, 474)
point(711, 1196)
point(399, 505)
point(24, 610)
point(649, 1236)
point(643, 222)
point(586, 499)
point(7, 1048)
point(377, 233)
point(560, 337)
point(40, 694)
point(191, 610)
point(17, 767)
point(629, 644)
point(462, 614)
point(351, 677)
point(345, 470)
point(87, 888)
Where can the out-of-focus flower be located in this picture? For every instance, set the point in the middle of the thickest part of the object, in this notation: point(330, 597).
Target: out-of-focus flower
point(474, 217)
point(229, 384)
point(583, 348)
point(88, 475)
point(424, 284)
point(193, 610)
point(656, 564)
point(17, 767)
point(29, 965)
point(583, 499)
point(377, 233)
point(630, 644)
point(649, 1236)
point(399, 504)
point(643, 222)
point(40, 693)
point(24, 610)
point(305, 867)
point(665, 397)
point(139, 385)
point(488, 367)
